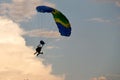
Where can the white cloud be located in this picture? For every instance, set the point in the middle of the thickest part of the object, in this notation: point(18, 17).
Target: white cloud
point(17, 61)
point(98, 20)
point(10, 34)
point(21, 10)
point(43, 33)
point(102, 78)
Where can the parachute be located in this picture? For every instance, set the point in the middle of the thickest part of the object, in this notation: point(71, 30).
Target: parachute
point(61, 20)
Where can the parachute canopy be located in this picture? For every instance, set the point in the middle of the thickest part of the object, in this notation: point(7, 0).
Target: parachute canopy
point(61, 21)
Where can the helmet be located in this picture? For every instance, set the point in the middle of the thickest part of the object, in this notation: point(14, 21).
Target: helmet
point(42, 42)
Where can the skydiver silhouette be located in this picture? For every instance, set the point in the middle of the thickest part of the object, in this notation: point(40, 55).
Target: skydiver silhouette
point(39, 47)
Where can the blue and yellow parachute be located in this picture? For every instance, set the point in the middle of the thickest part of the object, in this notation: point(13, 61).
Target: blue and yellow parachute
point(61, 21)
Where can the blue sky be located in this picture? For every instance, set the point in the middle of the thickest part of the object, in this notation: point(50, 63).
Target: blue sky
point(93, 49)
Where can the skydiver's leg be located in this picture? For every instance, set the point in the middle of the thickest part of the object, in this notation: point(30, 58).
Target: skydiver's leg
point(38, 53)
point(41, 52)
point(35, 53)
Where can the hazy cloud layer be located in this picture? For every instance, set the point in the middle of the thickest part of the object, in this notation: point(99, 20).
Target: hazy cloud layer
point(51, 47)
point(21, 10)
point(98, 20)
point(99, 78)
point(42, 33)
point(117, 2)
point(107, 77)
point(113, 76)
point(17, 61)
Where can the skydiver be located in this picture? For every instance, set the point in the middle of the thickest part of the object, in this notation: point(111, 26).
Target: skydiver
point(39, 47)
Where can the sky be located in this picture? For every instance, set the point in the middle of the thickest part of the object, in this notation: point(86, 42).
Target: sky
point(90, 53)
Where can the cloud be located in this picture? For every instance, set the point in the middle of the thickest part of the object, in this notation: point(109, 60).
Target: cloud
point(117, 2)
point(98, 20)
point(114, 75)
point(107, 77)
point(106, 0)
point(51, 47)
point(21, 10)
point(43, 33)
point(99, 78)
point(17, 61)
point(102, 78)
point(94, 78)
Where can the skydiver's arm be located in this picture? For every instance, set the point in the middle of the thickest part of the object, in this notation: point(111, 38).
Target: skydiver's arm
point(39, 45)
